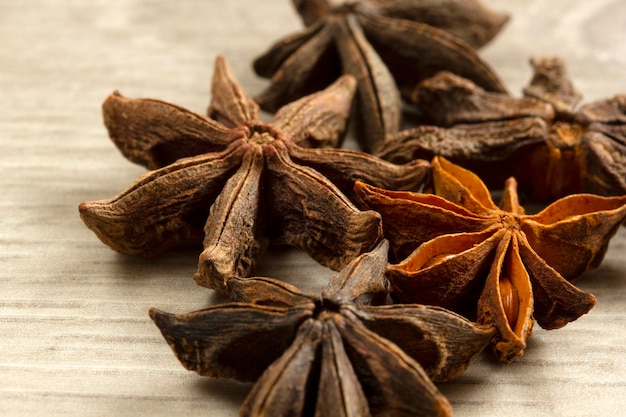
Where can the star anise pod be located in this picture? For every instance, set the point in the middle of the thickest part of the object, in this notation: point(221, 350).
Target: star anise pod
point(461, 251)
point(241, 182)
point(543, 139)
point(386, 45)
point(334, 354)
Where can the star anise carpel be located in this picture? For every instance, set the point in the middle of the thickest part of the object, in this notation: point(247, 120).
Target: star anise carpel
point(338, 353)
point(457, 249)
point(239, 183)
point(553, 147)
point(387, 45)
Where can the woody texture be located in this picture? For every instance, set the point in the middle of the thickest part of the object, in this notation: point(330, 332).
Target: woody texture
point(388, 46)
point(236, 183)
point(339, 353)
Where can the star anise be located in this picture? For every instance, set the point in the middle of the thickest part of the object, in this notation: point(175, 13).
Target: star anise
point(383, 44)
point(461, 251)
point(334, 354)
point(552, 147)
point(241, 182)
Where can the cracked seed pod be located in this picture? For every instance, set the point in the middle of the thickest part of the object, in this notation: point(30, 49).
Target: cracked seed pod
point(457, 249)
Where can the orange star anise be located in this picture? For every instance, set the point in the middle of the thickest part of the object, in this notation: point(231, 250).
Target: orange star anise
point(467, 254)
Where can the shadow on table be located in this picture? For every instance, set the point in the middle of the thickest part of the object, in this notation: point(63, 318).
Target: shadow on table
point(229, 391)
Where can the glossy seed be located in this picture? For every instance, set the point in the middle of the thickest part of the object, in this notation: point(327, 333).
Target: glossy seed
point(510, 300)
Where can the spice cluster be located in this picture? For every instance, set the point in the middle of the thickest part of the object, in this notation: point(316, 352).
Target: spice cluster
point(430, 270)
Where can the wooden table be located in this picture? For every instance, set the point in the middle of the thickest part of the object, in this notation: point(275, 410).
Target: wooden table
point(75, 335)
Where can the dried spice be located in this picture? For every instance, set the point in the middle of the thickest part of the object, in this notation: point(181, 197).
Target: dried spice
point(461, 251)
point(552, 147)
point(338, 353)
point(387, 45)
point(240, 182)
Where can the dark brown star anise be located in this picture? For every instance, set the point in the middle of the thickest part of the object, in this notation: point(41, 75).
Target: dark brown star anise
point(552, 147)
point(383, 44)
point(461, 251)
point(241, 182)
point(334, 354)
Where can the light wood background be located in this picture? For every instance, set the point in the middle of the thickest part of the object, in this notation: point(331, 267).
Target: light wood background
point(75, 337)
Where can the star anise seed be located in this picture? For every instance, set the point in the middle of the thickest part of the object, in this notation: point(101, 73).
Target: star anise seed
point(461, 251)
point(338, 353)
point(384, 44)
point(239, 182)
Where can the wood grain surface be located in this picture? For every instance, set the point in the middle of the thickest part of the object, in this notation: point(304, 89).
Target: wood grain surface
point(75, 336)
